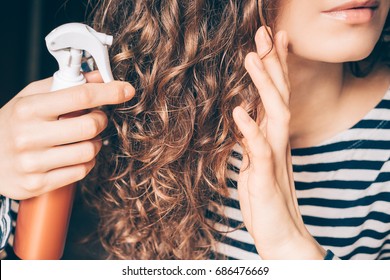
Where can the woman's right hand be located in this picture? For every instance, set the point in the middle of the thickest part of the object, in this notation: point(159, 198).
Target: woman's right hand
point(43, 145)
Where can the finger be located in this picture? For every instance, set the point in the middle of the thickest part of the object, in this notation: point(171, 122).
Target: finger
point(270, 58)
point(45, 84)
point(259, 187)
point(281, 44)
point(277, 114)
point(61, 132)
point(252, 162)
point(77, 129)
point(93, 77)
point(293, 200)
point(53, 104)
point(259, 151)
point(243, 194)
point(67, 175)
point(62, 156)
point(276, 109)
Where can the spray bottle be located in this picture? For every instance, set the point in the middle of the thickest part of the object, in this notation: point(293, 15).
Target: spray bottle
point(42, 222)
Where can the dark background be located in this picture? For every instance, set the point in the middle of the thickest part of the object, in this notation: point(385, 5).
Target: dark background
point(24, 25)
point(24, 58)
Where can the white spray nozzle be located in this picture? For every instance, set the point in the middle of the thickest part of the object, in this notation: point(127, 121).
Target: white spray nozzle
point(66, 44)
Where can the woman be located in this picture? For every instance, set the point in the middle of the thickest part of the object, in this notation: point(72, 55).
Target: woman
point(168, 177)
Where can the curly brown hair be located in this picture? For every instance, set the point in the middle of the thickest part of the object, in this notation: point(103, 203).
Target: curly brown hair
point(169, 146)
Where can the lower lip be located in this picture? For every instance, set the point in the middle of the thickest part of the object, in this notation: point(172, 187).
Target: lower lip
point(353, 16)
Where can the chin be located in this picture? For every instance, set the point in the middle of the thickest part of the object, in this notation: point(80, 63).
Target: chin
point(337, 54)
point(348, 56)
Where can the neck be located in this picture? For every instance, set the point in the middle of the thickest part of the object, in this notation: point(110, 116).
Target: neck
point(326, 99)
point(316, 90)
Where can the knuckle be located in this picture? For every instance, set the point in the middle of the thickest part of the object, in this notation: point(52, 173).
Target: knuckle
point(102, 119)
point(21, 142)
point(89, 151)
point(22, 110)
point(249, 58)
point(90, 127)
point(85, 96)
point(27, 164)
point(85, 169)
point(33, 183)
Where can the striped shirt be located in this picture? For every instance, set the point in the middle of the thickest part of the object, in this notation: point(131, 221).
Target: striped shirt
point(343, 190)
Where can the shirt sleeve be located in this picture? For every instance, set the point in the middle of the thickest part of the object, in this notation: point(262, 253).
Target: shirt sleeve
point(330, 256)
point(5, 221)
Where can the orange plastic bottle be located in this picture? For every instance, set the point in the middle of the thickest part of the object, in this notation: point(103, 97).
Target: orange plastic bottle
point(42, 222)
point(42, 225)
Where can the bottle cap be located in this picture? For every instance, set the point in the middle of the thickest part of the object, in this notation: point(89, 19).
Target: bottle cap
point(66, 44)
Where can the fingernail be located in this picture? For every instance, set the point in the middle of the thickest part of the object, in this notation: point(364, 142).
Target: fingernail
point(128, 91)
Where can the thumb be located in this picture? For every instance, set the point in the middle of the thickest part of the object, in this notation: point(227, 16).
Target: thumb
point(93, 77)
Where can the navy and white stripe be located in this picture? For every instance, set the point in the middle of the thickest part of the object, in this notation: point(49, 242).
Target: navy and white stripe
point(9, 214)
point(343, 189)
point(5, 223)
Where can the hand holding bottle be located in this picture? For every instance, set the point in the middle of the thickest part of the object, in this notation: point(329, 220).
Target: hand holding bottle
point(42, 150)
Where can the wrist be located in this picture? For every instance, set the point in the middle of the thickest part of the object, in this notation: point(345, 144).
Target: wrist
point(297, 247)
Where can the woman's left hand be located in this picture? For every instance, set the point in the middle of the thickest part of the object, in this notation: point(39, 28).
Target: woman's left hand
point(266, 187)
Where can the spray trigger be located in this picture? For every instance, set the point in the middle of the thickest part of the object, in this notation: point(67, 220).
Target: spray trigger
point(67, 43)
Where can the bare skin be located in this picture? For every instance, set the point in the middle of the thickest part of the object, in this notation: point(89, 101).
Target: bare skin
point(323, 104)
